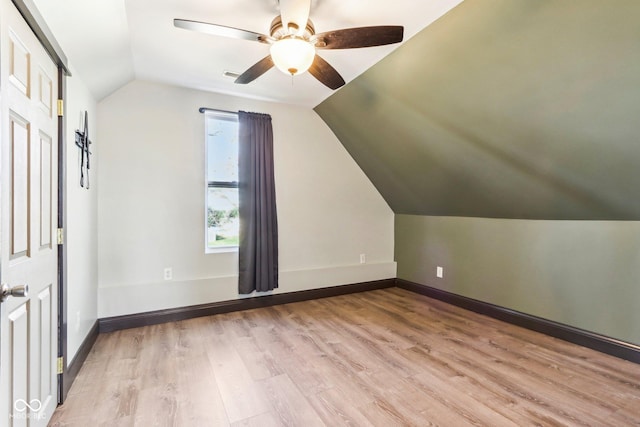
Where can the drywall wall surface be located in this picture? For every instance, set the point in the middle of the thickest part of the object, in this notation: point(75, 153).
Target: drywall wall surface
point(580, 273)
point(504, 108)
point(81, 222)
point(151, 198)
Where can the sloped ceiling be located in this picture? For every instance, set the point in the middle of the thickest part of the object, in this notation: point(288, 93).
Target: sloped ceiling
point(504, 108)
point(111, 42)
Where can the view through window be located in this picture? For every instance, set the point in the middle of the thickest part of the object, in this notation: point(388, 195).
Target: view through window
point(222, 220)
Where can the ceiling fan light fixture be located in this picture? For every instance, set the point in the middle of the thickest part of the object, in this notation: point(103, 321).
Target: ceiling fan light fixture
point(293, 55)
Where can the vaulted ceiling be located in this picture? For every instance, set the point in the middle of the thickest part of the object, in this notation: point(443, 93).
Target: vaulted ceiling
point(111, 42)
point(490, 108)
point(504, 108)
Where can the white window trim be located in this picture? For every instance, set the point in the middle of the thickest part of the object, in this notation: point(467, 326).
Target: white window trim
point(220, 249)
point(207, 248)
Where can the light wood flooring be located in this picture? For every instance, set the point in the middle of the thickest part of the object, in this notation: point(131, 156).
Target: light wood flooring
point(383, 358)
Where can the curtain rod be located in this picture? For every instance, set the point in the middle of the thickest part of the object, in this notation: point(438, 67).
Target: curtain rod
point(204, 109)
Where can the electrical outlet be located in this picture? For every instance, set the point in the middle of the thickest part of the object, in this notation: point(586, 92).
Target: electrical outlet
point(439, 272)
point(168, 273)
point(363, 258)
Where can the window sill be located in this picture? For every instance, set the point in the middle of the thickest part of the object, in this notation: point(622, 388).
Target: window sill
point(221, 250)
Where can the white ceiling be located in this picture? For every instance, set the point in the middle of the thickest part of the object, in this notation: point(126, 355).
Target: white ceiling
point(111, 42)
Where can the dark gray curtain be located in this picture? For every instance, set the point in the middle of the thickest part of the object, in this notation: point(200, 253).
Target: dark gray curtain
point(258, 250)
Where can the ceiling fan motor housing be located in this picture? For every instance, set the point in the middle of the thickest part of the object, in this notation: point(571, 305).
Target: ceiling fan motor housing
point(278, 31)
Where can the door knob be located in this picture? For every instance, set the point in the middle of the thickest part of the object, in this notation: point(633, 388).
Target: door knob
point(15, 291)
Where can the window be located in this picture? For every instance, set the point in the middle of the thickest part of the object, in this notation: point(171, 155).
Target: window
point(222, 221)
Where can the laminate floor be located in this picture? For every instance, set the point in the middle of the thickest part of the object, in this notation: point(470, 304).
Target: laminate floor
point(383, 358)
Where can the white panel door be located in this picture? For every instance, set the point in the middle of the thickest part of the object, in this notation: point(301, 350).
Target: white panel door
point(28, 218)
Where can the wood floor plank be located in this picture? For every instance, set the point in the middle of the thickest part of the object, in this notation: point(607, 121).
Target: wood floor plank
point(339, 406)
point(459, 395)
point(268, 419)
point(385, 357)
point(201, 403)
point(237, 388)
point(536, 399)
point(534, 376)
point(291, 407)
point(260, 363)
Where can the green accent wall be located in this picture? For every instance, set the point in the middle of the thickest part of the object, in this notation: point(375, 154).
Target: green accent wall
point(506, 139)
point(580, 273)
point(506, 109)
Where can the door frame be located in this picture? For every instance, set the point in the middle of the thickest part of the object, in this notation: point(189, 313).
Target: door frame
point(44, 35)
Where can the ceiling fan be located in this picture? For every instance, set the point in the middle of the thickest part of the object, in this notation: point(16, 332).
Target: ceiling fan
point(294, 42)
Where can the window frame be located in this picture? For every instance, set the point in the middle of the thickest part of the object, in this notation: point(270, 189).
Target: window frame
point(227, 116)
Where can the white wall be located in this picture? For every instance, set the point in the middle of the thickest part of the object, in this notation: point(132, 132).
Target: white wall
point(151, 201)
point(81, 220)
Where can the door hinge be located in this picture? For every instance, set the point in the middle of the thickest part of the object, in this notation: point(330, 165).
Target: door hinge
point(60, 365)
point(61, 236)
point(60, 107)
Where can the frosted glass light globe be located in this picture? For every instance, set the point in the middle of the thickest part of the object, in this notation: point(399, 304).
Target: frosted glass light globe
point(293, 55)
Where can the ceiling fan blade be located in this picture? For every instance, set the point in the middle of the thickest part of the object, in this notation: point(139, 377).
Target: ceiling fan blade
point(258, 69)
point(220, 30)
point(295, 12)
point(350, 38)
point(326, 74)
